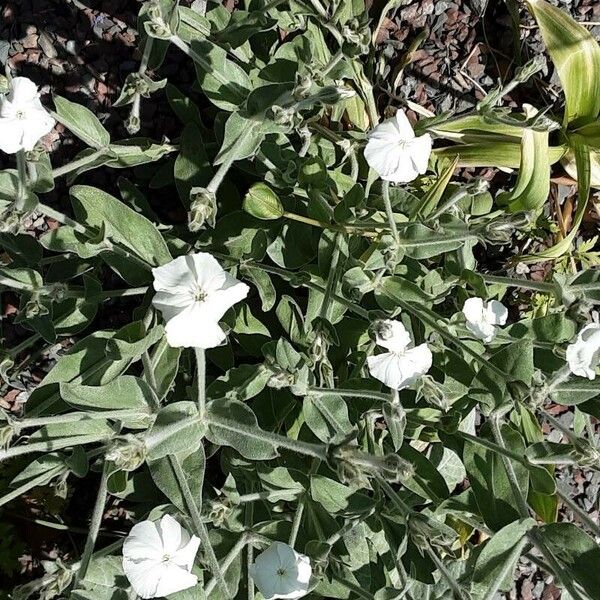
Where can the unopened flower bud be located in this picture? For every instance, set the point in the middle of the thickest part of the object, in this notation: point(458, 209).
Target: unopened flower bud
point(4, 85)
point(303, 85)
point(132, 124)
point(203, 209)
point(127, 452)
point(7, 432)
point(219, 511)
point(35, 308)
point(10, 221)
point(263, 203)
point(280, 380)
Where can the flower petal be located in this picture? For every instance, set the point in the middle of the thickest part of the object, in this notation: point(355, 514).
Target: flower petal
point(174, 579)
point(143, 542)
point(209, 274)
point(170, 534)
point(497, 312)
point(405, 129)
point(144, 576)
point(419, 150)
point(174, 277)
point(221, 300)
point(22, 90)
point(191, 329)
point(11, 135)
point(397, 338)
point(35, 126)
point(583, 355)
point(473, 310)
point(185, 556)
point(170, 305)
point(386, 368)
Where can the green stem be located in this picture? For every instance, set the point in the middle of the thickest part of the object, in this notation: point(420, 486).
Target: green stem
point(94, 525)
point(51, 445)
point(502, 450)
point(526, 284)
point(74, 417)
point(277, 441)
point(506, 570)
point(385, 189)
point(335, 59)
point(77, 164)
point(65, 220)
point(346, 393)
point(269, 495)
point(330, 226)
point(199, 525)
point(42, 479)
point(227, 562)
point(360, 592)
point(296, 522)
point(439, 563)
point(201, 382)
point(555, 567)
point(579, 512)
point(22, 180)
point(509, 468)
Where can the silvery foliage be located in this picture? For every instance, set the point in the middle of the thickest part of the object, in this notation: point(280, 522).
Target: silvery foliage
point(281, 434)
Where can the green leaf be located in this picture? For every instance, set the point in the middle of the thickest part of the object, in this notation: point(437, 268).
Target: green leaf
point(192, 167)
point(533, 182)
point(327, 417)
point(575, 391)
point(489, 481)
point(125, 392)
point(582, 161)
point(578, 553)
point(123, 225)
point(223, 81)
point(193, 465)
point(177, 429)
point(82, 122)
point(238, 421)
point(576, 56)
point(497, 561)
point(104, 580)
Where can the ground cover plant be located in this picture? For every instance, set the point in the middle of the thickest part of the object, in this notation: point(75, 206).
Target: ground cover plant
point(302, 347)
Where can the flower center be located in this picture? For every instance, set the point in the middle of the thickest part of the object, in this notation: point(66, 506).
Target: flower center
point(200, 295)
point(281, 572)
point(20, 114)
point(166, 558)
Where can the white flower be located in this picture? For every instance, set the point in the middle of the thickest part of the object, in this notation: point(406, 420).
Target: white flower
point(394, 151)
point(281, 572)
point(193, 293)
point(583, 355)
point(482, 317)
point(23, 119)
point(402, 365)
point(158, 558)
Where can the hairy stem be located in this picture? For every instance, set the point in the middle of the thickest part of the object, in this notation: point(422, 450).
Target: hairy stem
point(95, 523)
point(199, 525)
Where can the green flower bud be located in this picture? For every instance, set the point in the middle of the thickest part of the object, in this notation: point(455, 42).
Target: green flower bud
point(127, 452)
point(203, 209)
point(263, 203)
point(4, 85)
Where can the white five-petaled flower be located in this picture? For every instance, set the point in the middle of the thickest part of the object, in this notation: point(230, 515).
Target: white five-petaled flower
point(394, 151)
point(193, 292)
point(583, 355)
point(23, 119)
point(482, 317)
point(158, 558)
point(281, 572)
point(404, 363)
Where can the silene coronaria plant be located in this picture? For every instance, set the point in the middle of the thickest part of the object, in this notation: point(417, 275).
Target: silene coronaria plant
point(316, 386)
